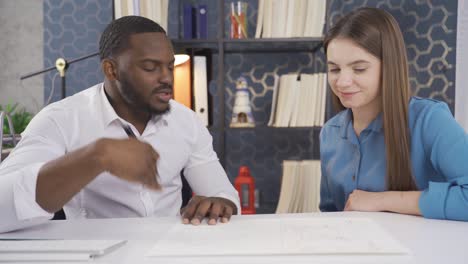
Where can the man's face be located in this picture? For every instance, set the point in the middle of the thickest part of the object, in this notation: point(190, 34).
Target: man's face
point(145, 72)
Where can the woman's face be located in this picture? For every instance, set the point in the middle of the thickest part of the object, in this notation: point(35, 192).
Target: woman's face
point(354, 75)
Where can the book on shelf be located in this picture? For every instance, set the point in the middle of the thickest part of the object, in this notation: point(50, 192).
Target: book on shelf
point(299, 100)
point(300, 187)
point(195, 21)
point(189, 21)
point(300, 12)
point(156, 10)
point(286, 19)
point(274, 101)
point(316, 12)
point(260, 12)
point(279, 18)
point(267, 19)
point(200, 88)
point(202, 22)
point(291, 18)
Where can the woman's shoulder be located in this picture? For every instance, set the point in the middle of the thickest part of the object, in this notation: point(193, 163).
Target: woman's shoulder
point(429, 115)
point(425, 106)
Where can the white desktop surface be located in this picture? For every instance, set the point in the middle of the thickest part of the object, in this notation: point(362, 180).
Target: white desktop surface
point(429, 241)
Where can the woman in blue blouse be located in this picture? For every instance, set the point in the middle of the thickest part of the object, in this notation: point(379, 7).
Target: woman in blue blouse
point(387, 151)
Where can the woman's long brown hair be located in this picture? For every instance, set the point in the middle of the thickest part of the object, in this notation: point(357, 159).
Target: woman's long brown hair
point(377, 32)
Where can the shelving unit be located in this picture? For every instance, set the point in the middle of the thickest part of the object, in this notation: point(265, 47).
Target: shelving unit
point(253, 45)
point(225, 137)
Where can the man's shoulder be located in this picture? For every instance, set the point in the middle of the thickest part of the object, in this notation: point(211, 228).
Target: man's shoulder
point(183, 118)
point(181, 111)
point(79, 106)
point(77, 102)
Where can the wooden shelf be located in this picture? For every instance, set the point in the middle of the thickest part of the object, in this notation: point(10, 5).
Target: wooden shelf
point(195, 44)
point(262, 45)
point(268, 45)
point(263, 127)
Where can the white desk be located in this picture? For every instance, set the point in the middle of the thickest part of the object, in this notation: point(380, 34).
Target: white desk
point(430, 241)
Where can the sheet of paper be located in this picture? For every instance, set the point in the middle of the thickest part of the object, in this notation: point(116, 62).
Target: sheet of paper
point(280, 236)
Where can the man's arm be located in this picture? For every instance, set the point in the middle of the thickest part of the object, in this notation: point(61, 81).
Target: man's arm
point(59, 180)
point(39, 167)
point(216, 197)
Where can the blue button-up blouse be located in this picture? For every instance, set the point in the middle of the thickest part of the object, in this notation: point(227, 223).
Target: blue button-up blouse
point(439, 159)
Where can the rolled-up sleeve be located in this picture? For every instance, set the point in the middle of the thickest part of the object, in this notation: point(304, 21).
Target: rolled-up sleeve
point(17, 200)
point(18, 174)
point(203, 171)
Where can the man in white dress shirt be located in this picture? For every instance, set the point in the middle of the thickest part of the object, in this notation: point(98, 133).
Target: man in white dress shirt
point(117, 148)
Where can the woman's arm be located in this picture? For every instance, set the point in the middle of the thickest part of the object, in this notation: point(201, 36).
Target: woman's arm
point(392, 201)
point(446, 146)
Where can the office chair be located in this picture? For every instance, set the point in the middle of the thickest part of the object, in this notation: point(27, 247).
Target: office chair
point(186, 190)
point(186, 195)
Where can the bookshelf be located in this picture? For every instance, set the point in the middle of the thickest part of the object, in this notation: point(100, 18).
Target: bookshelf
point(261, 146)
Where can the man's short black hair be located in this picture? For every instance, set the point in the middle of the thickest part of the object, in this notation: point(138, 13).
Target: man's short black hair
point(115, 37)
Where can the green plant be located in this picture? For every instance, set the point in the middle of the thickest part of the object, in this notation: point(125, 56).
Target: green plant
point(19, 116)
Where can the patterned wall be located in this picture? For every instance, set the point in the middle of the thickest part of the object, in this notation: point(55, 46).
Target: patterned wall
point(429, 29)
point(72, 29)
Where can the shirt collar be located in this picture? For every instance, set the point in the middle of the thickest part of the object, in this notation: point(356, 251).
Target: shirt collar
point(109, 115)
point(377, 124)
point(345, 120)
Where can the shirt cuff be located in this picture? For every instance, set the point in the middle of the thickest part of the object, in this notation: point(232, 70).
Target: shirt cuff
point(432, 200)
point(235, 200)
point(24, 193)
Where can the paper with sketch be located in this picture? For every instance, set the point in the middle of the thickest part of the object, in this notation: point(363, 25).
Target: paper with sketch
point(279, 236)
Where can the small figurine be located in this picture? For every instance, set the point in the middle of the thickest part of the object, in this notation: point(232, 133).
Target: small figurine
point(242, 112)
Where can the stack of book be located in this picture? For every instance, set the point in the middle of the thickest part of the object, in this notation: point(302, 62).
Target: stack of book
point(300, 187)
point(299, 100)
point(286, 19)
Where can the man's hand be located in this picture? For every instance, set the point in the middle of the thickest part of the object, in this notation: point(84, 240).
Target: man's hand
point(213, 208)
point(364, 201)
point(131, 160)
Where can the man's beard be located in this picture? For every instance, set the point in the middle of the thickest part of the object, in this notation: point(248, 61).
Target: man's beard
point(135, 101)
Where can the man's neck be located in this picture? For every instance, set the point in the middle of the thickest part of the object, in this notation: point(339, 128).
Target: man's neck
point(137, 118)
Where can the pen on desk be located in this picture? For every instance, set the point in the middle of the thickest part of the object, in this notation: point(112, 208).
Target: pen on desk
point(128, 130)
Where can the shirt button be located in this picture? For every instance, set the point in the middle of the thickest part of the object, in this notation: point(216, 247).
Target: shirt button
point(354, 177)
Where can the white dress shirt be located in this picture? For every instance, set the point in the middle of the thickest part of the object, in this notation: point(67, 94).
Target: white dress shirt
point(179, 137)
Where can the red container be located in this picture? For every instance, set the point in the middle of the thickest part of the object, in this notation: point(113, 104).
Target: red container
point(245, 186)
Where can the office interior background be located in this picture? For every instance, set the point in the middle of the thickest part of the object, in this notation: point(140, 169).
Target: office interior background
point(36, 33)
